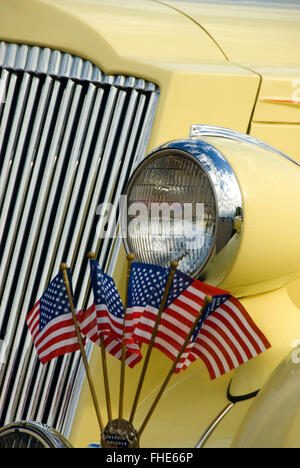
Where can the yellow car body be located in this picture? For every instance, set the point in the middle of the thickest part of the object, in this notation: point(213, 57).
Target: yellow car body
point(221, 63)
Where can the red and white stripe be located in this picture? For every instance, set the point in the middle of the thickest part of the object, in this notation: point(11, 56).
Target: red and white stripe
point(109, 324)
point(56, 338)
point(90, 326)
point(176, 321)
point(228, 338)
point(114, 347)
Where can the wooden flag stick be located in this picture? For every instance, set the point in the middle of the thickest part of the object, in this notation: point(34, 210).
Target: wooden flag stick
point(63, 268)
point(130, 259)
point(92, 256)
point(207, 300)
point(149, 351)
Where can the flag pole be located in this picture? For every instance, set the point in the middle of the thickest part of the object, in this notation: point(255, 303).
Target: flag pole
point(92, 256)
point(173, 267)
point(130, 259)
point(105, 377)
point(207, 300)
point(63, 268)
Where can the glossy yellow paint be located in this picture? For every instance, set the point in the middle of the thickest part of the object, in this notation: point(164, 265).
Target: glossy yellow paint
point(265, 38)
point(198, 85)
point(276, 118)
point(277, 401)
point(258, 32)
point(285, 137)
point(108, 33)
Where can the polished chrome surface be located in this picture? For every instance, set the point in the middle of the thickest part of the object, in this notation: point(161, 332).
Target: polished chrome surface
point(205, 436)
point(228, 199)
point(211, 130)
point(30, 434)
point(70, 136)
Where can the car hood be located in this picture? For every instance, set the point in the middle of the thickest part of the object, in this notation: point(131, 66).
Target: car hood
point(250, 32)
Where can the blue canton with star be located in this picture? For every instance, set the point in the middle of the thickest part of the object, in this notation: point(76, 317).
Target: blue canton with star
point(216, 302)
point(146, 284)
point(179, 284)
point(105, 291)
point(54, 302)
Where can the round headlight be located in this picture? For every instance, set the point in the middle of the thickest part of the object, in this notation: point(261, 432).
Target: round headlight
point(31, 434)
point(183, 202)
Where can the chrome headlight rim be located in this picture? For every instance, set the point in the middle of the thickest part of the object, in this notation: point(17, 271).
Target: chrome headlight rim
point(31, 434)
point(223, 183)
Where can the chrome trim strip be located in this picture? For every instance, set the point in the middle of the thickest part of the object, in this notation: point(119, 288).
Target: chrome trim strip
point(205, 436)
point(210, 130)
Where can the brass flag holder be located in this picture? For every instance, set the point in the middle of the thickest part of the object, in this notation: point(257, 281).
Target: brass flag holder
point(120, 433)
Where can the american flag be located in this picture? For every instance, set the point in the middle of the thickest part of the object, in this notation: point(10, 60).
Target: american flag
point(144, 288)
point(185, 298)
point(177, 318)
point(105, 317)
point(228, 337)
point(51, 323)
point(107, 302)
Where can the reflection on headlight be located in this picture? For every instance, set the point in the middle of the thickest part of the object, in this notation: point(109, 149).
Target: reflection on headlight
point(171, 212)
point(182, 204)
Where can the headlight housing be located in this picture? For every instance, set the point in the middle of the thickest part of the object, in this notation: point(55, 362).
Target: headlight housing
point(184, 203)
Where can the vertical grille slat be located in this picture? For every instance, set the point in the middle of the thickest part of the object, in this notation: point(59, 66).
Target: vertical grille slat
point(10, 84)
point(8, 160)
point(85, 193)
point(40, 375)
point(122, 177)
point(136, 159)
point(18, 153)
point(104, 161)
point(115, 122)
point(29, 201)
point(62, 379)
point(70, 135)
point(89, 201)
point(50, 203)
point(16, 327)
point(61, 210)
point(30, 251)
point(26, 175)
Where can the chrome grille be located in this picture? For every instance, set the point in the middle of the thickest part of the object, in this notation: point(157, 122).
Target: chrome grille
point(70, 136)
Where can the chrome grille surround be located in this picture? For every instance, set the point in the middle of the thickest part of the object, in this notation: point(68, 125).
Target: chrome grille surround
point(70, 136)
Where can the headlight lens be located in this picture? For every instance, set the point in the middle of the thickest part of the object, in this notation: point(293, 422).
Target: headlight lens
point(182, 202)
point(178, 219)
